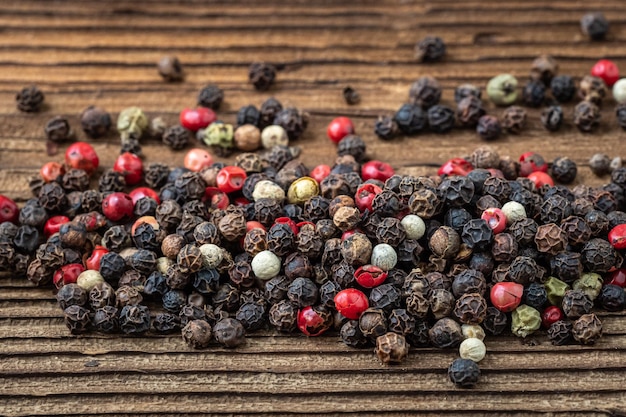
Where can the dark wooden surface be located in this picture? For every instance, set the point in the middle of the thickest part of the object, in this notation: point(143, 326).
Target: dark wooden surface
point(104, 53)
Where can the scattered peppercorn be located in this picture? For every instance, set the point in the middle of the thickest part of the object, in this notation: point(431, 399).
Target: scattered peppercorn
point(351, 96)
point(594, 25)
point(430, 49)
point(170, 68)
point(261, 75)
point(29, 99)
point(552, 118)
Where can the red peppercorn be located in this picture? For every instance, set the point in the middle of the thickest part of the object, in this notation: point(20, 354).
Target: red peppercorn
point(310, 322)
point(9, 212)
point(197, 159)
point(607, 70)
point(218, 199)
point(241, 201)
point(339, 128)
point(506, 296)
point(455, 166)
point(81, 155)
point(551, 315)
point(117, 206)
point(53, 225)
point(365, 196)
point(196, 119)
point(617, 277)
point(370, 276)
point(495, 172)
point(376, 170)
point(252, 224)
point(51, 171)
point(141, 192)
point(495, 218)
point(67, 274)
point(531, 162)
point(617, 236)
point(320, 172)
point(541, 178)
point(93, 261)
point(230, 179)
point(351, 303)
point(289, 222)
point(131, 166)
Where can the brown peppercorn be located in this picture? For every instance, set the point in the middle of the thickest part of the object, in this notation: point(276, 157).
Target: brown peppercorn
point(197, 334)
point(247, 138)
point(417, 304)
point(425, 92)
point(469, 110)
point(175, 278)
point(232, 226)
point(489, 127)
point(75, 180)
point(513, 119)
point(262, 75)
point(95, 122)
point(592, 89)
point(550, 238)
point(171, 245)
point(101, 295)
point(504, 248)
point(170, 69)
point(283, 316)
point(29, 99)
point(441, 303)
point(58, 129)
point(176, 137)
point(356, 249)
point(586, 116)
point(587, 329)
point(77, 319)
point(470, 309)
point(249, 162)
point(127, 295)
point(425, 203)
point(445, 242)
point(351, 96)
point(391, 348)
point(38, 273)
point(576, 304)
point(189, 259)
point(446, 333)
point(373, 323)
point(485, 157)
point(346, 218)
point(229, 332)
point(544, 68)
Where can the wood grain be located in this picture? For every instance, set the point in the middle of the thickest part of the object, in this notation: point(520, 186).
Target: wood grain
point(104, 53)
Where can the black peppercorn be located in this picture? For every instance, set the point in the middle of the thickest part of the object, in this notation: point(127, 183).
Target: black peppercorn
point(612, 297)
point(303, 292)
point(445, 333)
point(441, 118)
point(77, 319)
point(598, 255)
point(477, 234)
point(576, 303)
point(587, 329)
point(586, 116)
point(29, 99)
point(533, 93)
point(592, 89)
point(262, 75)
point(465, 90)
point(176, 137)
point(268, 111)
point(464, 373)
point(488, 127)
point(135, 319)
point(563, 88)
point(351, 145)
point(350, 95)
point(197, 334)
point(552, 118)
point(469, 110)
point(293, 121)
point(95, 122)
point(514, 119)
point(351, 335)
point(425, 92)
point(211, 96)
point(116, 238)
point(560, 333)
point(411, 119)
point(495, 321)
point(70, 295)
point(58, 129)
point(170, 69)
point(430, 49)
point(373, 323)
point(385, 297)
point(386, 127)
point(106, 319)
point(166, 323)
point(251, 315)
point(112, 181)
point(594, 25)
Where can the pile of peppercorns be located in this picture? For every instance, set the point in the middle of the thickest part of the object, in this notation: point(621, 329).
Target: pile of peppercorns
point(488, 245)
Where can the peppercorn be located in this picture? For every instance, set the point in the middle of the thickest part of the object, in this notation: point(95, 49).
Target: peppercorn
point(592, 89)
point(71, 294)
point(488, 127)
point(469, 110)
point(464, 373)
point(211, 96)
point(95, 122)
point(30, 99)
point(525, 320)
point(563, 88)
point(594, 25)
point(430, 49)
point(543, 69)
point(473, 349)
point(425, 92)
point(352, 336)
point(586, 116)
point(293, 121)
point(410, 119)
point(261, 75)
point(176, 137)
point(440, 118)
point(598, 255)
point(77, 319)
point(533, 93)
point(373, 323)
point(197, 334)
point(552, 118)
point(229, 333)
point(550, 238)
point(576, 303)
point(391, 348)
point(251, 315)
point(445, 333)
point(587, 329)
point(106, 319)
point(58, 129)
point(612, 298)
point(513, 119)
point(589, 283)
point(470, 308)
point(386, 127)
point(501, 89)
point(170, 68)
point(166, 323)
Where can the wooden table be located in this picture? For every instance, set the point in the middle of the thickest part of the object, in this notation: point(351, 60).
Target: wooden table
point(83, 53)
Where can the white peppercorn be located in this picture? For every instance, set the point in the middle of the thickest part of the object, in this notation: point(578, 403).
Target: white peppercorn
point(473, 349)
point(163, 263)
point(89, 279)
point(619, 91)
point(268, 189)
point(384, 256)
point(473, 331)
point(211, 255)
point(513, 211)
point(274, 135)
point(414, 226)
point(265, 265)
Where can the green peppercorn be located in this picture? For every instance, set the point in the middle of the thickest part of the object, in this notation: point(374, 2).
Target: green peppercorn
point(556, 290)
point(219, 134)
point(501, 89)
point(302, 189)
point(132, 122)
point(525, 320)
point(590, 283)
